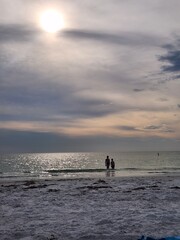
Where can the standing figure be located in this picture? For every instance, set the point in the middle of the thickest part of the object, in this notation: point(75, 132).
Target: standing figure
point(112, 164)
point(107, 162)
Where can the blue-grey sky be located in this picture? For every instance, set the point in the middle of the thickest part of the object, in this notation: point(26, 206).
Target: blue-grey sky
point(108, 79)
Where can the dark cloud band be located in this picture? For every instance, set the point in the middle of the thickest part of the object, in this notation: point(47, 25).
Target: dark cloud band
point(20, 33)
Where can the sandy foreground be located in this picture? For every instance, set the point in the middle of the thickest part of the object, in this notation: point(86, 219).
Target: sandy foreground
point(106, 208)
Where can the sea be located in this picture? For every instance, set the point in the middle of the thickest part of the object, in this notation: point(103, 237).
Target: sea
point(87, 164)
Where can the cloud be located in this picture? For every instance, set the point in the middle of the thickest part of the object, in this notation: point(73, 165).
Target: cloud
point(38, 100)
point(162, 128)
point(176, 77)
point(122, 38)
point(138, 89)
point(17, 33)
point(97, 76)
point(24, 33)
point(127, 128)
point(172, 58)
point(25, 141)
point(163, 99)
point(153, 127)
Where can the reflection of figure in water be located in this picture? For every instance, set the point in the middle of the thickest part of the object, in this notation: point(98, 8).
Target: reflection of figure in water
point(112, 164)
point(110, 173)
point(158, 154)
point(107, 162)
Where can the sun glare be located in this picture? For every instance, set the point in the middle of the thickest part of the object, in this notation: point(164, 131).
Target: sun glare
point(51, 21)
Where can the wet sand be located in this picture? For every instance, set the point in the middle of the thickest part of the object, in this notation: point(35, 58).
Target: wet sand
point(106, 208)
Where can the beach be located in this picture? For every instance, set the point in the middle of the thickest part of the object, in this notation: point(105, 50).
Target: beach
point(92, 208)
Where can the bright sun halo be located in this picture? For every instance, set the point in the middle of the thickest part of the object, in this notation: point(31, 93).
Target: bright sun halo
point(51, 21)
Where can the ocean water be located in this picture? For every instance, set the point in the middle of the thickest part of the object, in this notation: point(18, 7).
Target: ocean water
point(73, 165)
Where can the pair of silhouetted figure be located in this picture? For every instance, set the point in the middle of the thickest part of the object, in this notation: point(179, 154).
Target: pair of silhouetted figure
point(109, 162)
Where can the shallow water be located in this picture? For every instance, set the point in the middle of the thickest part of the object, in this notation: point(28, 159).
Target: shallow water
point(70, 165)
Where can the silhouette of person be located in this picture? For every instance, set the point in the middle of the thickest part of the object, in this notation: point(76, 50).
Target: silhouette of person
point(107, 162)
point(112, 164)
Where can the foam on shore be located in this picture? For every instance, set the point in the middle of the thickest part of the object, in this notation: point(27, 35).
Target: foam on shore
point(108, 208)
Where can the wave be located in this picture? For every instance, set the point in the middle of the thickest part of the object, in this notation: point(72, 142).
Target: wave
point(152, 169)
point(58, 172)
point(17, 176)
point(76, 170)
point(94, 170)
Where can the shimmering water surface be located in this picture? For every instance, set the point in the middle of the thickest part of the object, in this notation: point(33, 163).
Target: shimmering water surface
point(70, 165)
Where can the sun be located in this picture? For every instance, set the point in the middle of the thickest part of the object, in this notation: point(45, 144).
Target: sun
point(51, 21)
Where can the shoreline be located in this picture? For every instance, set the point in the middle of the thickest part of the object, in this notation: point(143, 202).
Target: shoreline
point(94, 177)
point(90, 208)
point(106, 174)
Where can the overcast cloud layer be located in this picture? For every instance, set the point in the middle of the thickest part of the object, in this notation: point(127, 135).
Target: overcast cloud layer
point(110, 80)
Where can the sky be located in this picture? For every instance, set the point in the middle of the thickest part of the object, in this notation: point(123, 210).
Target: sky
point(107, 80)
